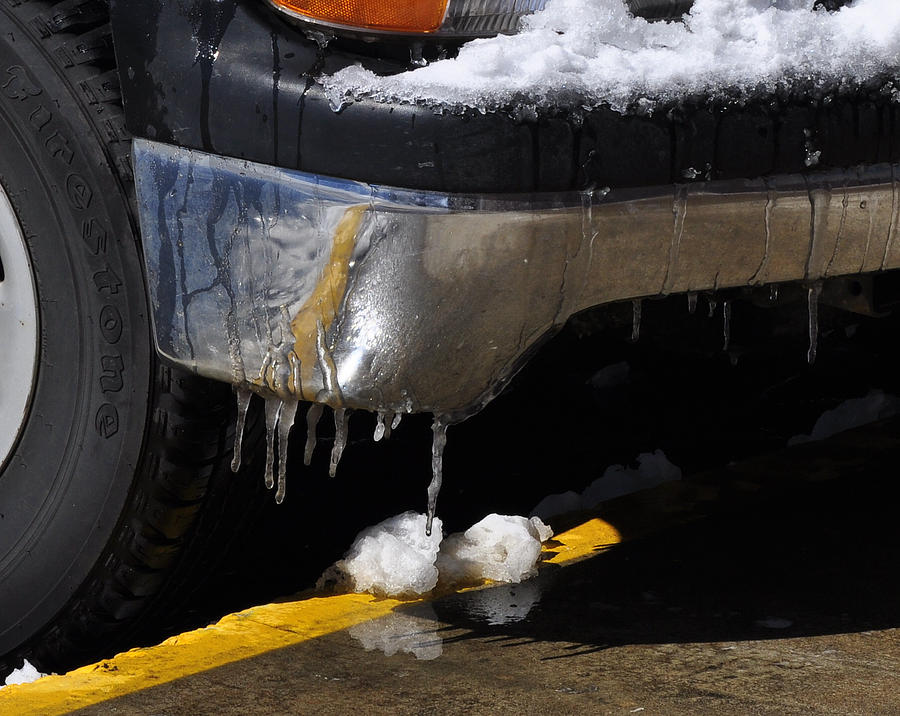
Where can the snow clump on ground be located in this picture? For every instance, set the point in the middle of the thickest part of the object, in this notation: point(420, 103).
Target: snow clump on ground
point(591, 53)
point(396, 559)
point(25, 675)
point(652, 469)
point(502, 548)
point(853, 413)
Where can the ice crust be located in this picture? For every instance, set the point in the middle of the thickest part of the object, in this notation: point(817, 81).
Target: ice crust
point(652, 469)
point(853, 413)
point(395, 558)
point(591, 53)
point(25, 675)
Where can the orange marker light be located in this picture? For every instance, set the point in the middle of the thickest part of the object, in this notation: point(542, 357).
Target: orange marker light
point(421, 16)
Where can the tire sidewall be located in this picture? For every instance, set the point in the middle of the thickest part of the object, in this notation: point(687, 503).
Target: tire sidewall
point(65, 485)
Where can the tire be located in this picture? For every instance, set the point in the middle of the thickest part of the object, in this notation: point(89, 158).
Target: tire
point(117, 457)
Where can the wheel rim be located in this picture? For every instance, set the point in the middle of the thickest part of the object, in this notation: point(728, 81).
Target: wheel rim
point(18, 329)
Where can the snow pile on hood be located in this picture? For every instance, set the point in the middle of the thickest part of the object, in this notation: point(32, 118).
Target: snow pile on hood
point(593, 52)
point(652, 469)
point(395, 558)
point(853, 413)
point(25, 675)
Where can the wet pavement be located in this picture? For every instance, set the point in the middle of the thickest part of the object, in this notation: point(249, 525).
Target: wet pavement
point(766, 587)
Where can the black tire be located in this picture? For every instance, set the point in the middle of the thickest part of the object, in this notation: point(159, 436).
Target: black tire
point(118, 455)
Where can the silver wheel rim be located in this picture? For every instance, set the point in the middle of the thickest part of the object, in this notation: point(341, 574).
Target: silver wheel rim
point(18, 330)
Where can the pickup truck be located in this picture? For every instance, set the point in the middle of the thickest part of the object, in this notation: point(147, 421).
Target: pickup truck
point(219, 198)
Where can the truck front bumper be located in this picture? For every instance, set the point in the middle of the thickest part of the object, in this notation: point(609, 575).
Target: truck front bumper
point(362, 296)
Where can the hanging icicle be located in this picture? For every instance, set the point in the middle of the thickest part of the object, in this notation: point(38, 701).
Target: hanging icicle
point(439, 441)
point(243, 405)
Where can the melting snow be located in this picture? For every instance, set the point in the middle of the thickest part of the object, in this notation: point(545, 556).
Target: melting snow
point(395, 558)
point(652, 469)
point(853, 413)
point(501, 548)
point(594, 53)
point(25, 675)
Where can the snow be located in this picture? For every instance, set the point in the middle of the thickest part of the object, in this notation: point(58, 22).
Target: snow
point(501, 548)
point(652, 469)
point(853, 413)
point(586, 54)
point(24, 675)
point(395, 558)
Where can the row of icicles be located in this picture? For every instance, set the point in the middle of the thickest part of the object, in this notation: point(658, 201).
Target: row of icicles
point(814, 292)
point(280, 414)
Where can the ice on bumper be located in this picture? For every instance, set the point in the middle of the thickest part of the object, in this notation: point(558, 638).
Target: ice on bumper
point(396, 559)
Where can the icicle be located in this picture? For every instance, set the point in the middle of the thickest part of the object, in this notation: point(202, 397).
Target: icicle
point(395, 423)
point(815, 290)
point(636, 307)
point(416, 58)
point(439, 430)
point(243, 404)
point(726, 324)
point(712, 306)
point(273, 412)
point(388, 421)
point(692, 303)
point(285, 423)
point(341, 423)
point(312, 422)
point(379, 426)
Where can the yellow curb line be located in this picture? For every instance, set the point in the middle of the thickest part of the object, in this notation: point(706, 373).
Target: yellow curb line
point(241, 636)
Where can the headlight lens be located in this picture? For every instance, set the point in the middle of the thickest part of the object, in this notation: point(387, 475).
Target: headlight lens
point(453, 18)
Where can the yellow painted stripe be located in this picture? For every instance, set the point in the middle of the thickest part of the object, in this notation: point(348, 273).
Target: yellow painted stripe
point(241, 636)
point(582, 542)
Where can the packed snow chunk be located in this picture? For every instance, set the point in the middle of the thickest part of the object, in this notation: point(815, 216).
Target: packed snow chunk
point(587, 53)
point(502, 548)
point(395, 558)
point(853, 413)
point(562, 503)
point(652, 469)
point(25, 675)
point(409, 633)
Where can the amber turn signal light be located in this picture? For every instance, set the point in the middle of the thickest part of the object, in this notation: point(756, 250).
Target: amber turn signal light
point(414, 16)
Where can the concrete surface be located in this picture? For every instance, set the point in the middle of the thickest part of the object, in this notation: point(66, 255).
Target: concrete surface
point(770, 587)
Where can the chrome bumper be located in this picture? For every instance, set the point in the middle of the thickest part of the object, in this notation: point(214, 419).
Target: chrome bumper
point(360, 296)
